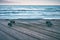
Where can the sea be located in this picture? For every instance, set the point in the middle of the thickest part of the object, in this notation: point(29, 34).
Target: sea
point(29, 11)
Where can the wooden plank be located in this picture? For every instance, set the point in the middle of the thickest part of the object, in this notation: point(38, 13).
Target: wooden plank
point(16, 34)
point(4, 36)
point(30, 32)
point(49, 33)
point(39, 30)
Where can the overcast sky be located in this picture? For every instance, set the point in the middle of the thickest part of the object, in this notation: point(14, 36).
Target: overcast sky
point(31, 2)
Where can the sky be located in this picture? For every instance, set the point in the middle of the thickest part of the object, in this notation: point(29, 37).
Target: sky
point(30, 2)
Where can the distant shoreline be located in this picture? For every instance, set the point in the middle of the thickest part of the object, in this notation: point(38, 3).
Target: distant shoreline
point(30, 19)
point(27, 5)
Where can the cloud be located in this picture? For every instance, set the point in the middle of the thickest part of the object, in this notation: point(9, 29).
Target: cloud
point(31, 2)
point(2, 1)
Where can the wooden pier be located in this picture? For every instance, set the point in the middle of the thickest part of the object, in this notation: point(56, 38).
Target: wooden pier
point(30, 30)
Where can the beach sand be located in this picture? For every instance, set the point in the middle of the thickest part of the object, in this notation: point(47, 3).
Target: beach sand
point(30, 29)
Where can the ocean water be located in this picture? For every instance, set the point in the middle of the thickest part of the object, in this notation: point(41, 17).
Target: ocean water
point(29, 12)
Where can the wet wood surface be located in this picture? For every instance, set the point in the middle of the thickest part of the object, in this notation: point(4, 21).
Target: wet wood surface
point(30, 30)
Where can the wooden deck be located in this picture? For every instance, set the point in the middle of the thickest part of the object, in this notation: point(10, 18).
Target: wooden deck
point(28, 30)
